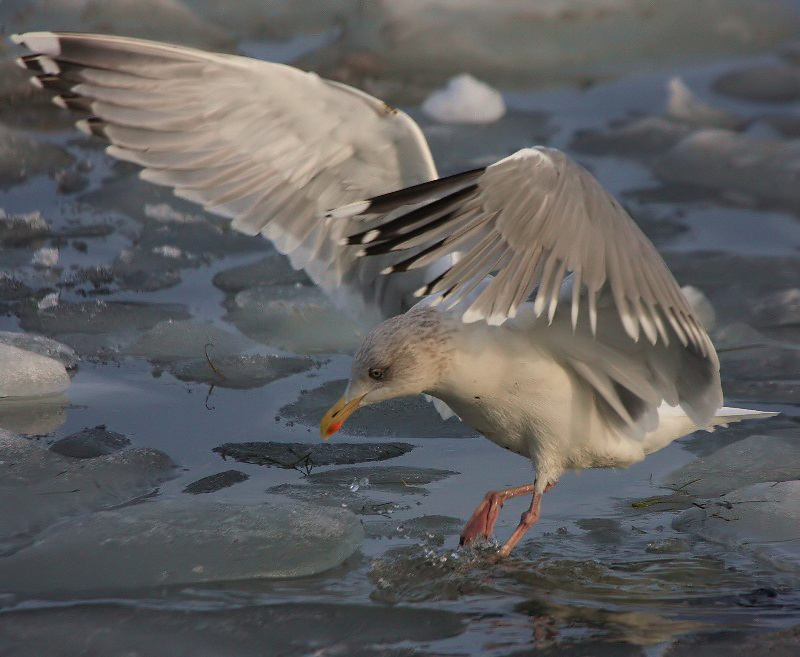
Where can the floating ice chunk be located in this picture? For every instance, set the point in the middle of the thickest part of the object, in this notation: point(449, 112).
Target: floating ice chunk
point(39, 487)
point(45, 257)
point(165, 20)
point(779, 308)
point(429, 529)
point(183, 541)
point(97, 328)
point(777, 82)
point(639, 138)
point(168, 251)
point(683, 105)
point(28, 374)
point(90, 443)
point(465, 100)
point(272, 629)
point(48, 301)
point(392, 478)
point(272, 270)
point(215, 482)
point(411, 416)
point(752, 460)
point(735, 163)
point(41, 345)
point(240, 372)
point(551, 41)
point(21, 229)
point(294, 318)
point(762, 519)
point(166, 214)
point(309, 455)
point(700, 305)
point(174, 340)
point(21, 157)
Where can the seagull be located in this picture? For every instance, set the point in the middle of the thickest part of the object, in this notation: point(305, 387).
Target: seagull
point(520, 296)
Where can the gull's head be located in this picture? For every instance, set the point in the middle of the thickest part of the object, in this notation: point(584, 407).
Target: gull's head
point(405, 355)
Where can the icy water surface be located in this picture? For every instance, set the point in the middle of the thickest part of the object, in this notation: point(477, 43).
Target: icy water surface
point(169, 494)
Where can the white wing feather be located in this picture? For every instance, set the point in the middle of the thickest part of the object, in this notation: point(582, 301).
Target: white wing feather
point(267, 145)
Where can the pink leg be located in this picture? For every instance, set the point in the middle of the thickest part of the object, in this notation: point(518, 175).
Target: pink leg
point(527, 521)
point(485, 516)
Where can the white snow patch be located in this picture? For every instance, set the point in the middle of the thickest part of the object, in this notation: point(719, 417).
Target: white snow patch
point(45, 257)
point(465, 99)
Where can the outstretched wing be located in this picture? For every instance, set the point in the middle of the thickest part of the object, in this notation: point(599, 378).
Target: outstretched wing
point(530, 220)
point(522, 225)
point(267, 145)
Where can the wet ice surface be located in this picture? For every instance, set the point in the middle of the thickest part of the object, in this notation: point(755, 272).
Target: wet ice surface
point(180, 336)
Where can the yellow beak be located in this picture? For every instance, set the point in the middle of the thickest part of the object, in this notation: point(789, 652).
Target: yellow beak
point(337, 414)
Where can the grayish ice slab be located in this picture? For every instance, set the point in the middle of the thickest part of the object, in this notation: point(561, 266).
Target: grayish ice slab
point(22, 157)
point(98, 328)
point(39, 487)
point(90, 442)
point(772, 82)
point(41, 345)
point(271, 270)
point(27, 374)
point(391, 478)
point(410, 416)
point(285, 630)
point(749, 461)
point(309, 455)
point(183, 541)
point(762, 519)
point(174, 340)
point(241, 372)
point(21, 230)
point(740, 165)
point(215, 482)
point(295, 318)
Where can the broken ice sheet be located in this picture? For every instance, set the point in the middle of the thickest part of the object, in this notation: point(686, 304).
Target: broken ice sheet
point(182, 541)
point(239, 372)
point(339, 497)
point(22, 157)
point(21, 230)
point(271, 270)
point(683, 105)
point(90, 442)
point(775, 82)
point(430, 530)
point(304, 456)
point(284, 629)
point(215, 482)
point(41, 487)
point(174, 340)
point(391, 478)
point(749, 461)
point(96, 328)
point(294, 318)
point(737, 164)
point(27, 374)
point(762, 519)
point(411, 416)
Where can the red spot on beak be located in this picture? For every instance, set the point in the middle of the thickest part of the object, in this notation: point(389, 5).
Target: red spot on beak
point(334, 428)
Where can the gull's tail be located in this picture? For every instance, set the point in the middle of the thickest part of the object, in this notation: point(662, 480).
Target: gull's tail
point(727, 415)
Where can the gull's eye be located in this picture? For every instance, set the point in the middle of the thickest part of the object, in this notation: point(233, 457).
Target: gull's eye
point(376, 373)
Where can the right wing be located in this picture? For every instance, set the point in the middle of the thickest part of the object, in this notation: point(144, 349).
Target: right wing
point(266, 145)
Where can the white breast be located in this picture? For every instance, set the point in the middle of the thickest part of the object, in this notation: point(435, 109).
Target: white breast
point(520, 397)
